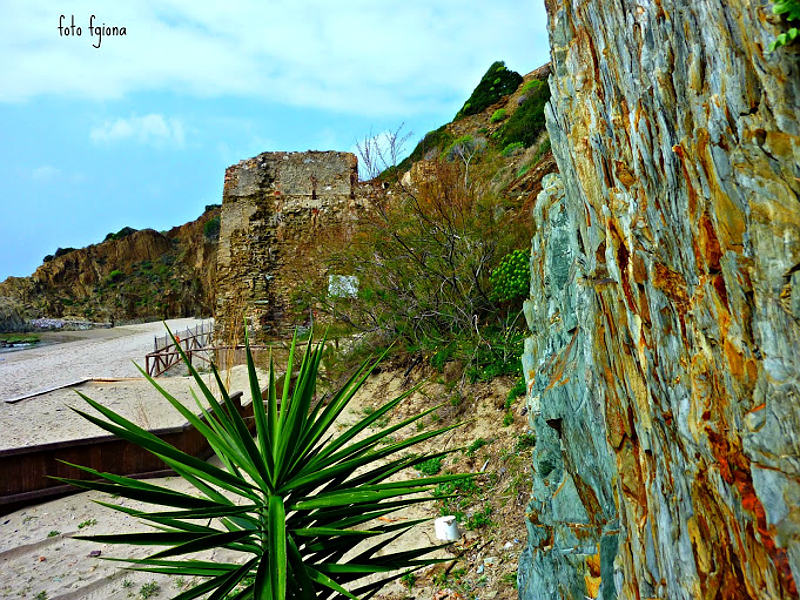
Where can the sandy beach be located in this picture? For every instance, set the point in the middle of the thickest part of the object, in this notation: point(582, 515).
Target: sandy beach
point(76, 355)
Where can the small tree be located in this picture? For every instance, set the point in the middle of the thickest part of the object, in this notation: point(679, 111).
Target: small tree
point(465, 149)
point(382, 151)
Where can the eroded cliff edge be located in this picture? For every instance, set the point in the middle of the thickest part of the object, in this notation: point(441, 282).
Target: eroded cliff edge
point(663, 365)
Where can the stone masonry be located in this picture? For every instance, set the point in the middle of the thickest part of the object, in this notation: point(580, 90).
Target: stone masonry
point(270, 204)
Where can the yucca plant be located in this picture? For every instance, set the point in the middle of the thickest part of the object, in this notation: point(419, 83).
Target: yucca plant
point(296, 501)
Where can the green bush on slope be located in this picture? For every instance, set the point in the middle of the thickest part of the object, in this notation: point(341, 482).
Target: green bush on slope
point(124, 232)
point(528, 121)
point(433, 143)
point(211, 228)
point(497, 82)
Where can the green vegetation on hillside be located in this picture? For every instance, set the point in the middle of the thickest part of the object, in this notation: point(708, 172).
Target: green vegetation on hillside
point(523, 124)
point(497, 82)
point(114, 276)
point(122, 233)
point(429, 147)
point(527, 122)
point(423, 261)
point(211, 228)
point(499, 115)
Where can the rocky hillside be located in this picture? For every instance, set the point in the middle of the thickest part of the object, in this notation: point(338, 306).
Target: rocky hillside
point(663, 365)
point(504, 121)
point(131, 275)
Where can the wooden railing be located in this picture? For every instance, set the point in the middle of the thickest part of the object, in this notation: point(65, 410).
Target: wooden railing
point(166, 355)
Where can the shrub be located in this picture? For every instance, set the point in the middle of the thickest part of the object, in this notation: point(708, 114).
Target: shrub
point(149, 589)
point(422, 259)
point(518, 389)
point(115, 276)
point(543, 149)
point(475, 446)
point(440, 357)
point(511, 279)
point(512, 147)
point(497, 354)
point(409, 579)
point(497, 82)
point(124, 232)
point(499, 115)
point(480, 518)
point(303, 490)
point(534, 84)
point(528, 120)
point(48, 258)
point(432, 466)
point(63, 251)
point(434, 143)
point(791, 11)
point(525, 441)
point(211, 228)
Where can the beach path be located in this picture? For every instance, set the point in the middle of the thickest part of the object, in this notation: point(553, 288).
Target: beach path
point(87, 354)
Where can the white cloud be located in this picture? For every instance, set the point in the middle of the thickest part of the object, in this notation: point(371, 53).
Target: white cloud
point(352, 56)
point(152, 129)
point(45, 173)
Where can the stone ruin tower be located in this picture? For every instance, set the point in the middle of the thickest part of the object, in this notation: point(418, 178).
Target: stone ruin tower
point(270, 203)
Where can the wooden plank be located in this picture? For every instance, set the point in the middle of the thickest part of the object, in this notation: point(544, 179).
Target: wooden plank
point(46, 391)
point(25, 472)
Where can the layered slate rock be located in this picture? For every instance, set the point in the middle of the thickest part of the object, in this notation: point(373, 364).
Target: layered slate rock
point(664, 359)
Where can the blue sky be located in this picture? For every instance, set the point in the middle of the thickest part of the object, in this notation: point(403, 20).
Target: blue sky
point(139, 131)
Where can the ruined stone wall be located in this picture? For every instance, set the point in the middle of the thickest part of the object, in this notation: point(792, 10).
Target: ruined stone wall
point(664, 359)
point(270, 204)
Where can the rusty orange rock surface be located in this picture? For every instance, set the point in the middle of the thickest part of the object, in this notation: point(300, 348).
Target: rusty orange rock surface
point(669, 248)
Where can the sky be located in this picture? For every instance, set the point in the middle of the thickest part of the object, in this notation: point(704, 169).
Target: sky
point(139, 131)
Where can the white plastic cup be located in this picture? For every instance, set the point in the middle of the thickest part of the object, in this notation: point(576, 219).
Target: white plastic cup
point(447, 528)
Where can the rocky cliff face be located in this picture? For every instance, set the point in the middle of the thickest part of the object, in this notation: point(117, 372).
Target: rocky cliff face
point(664, 359)
point(145, 274)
